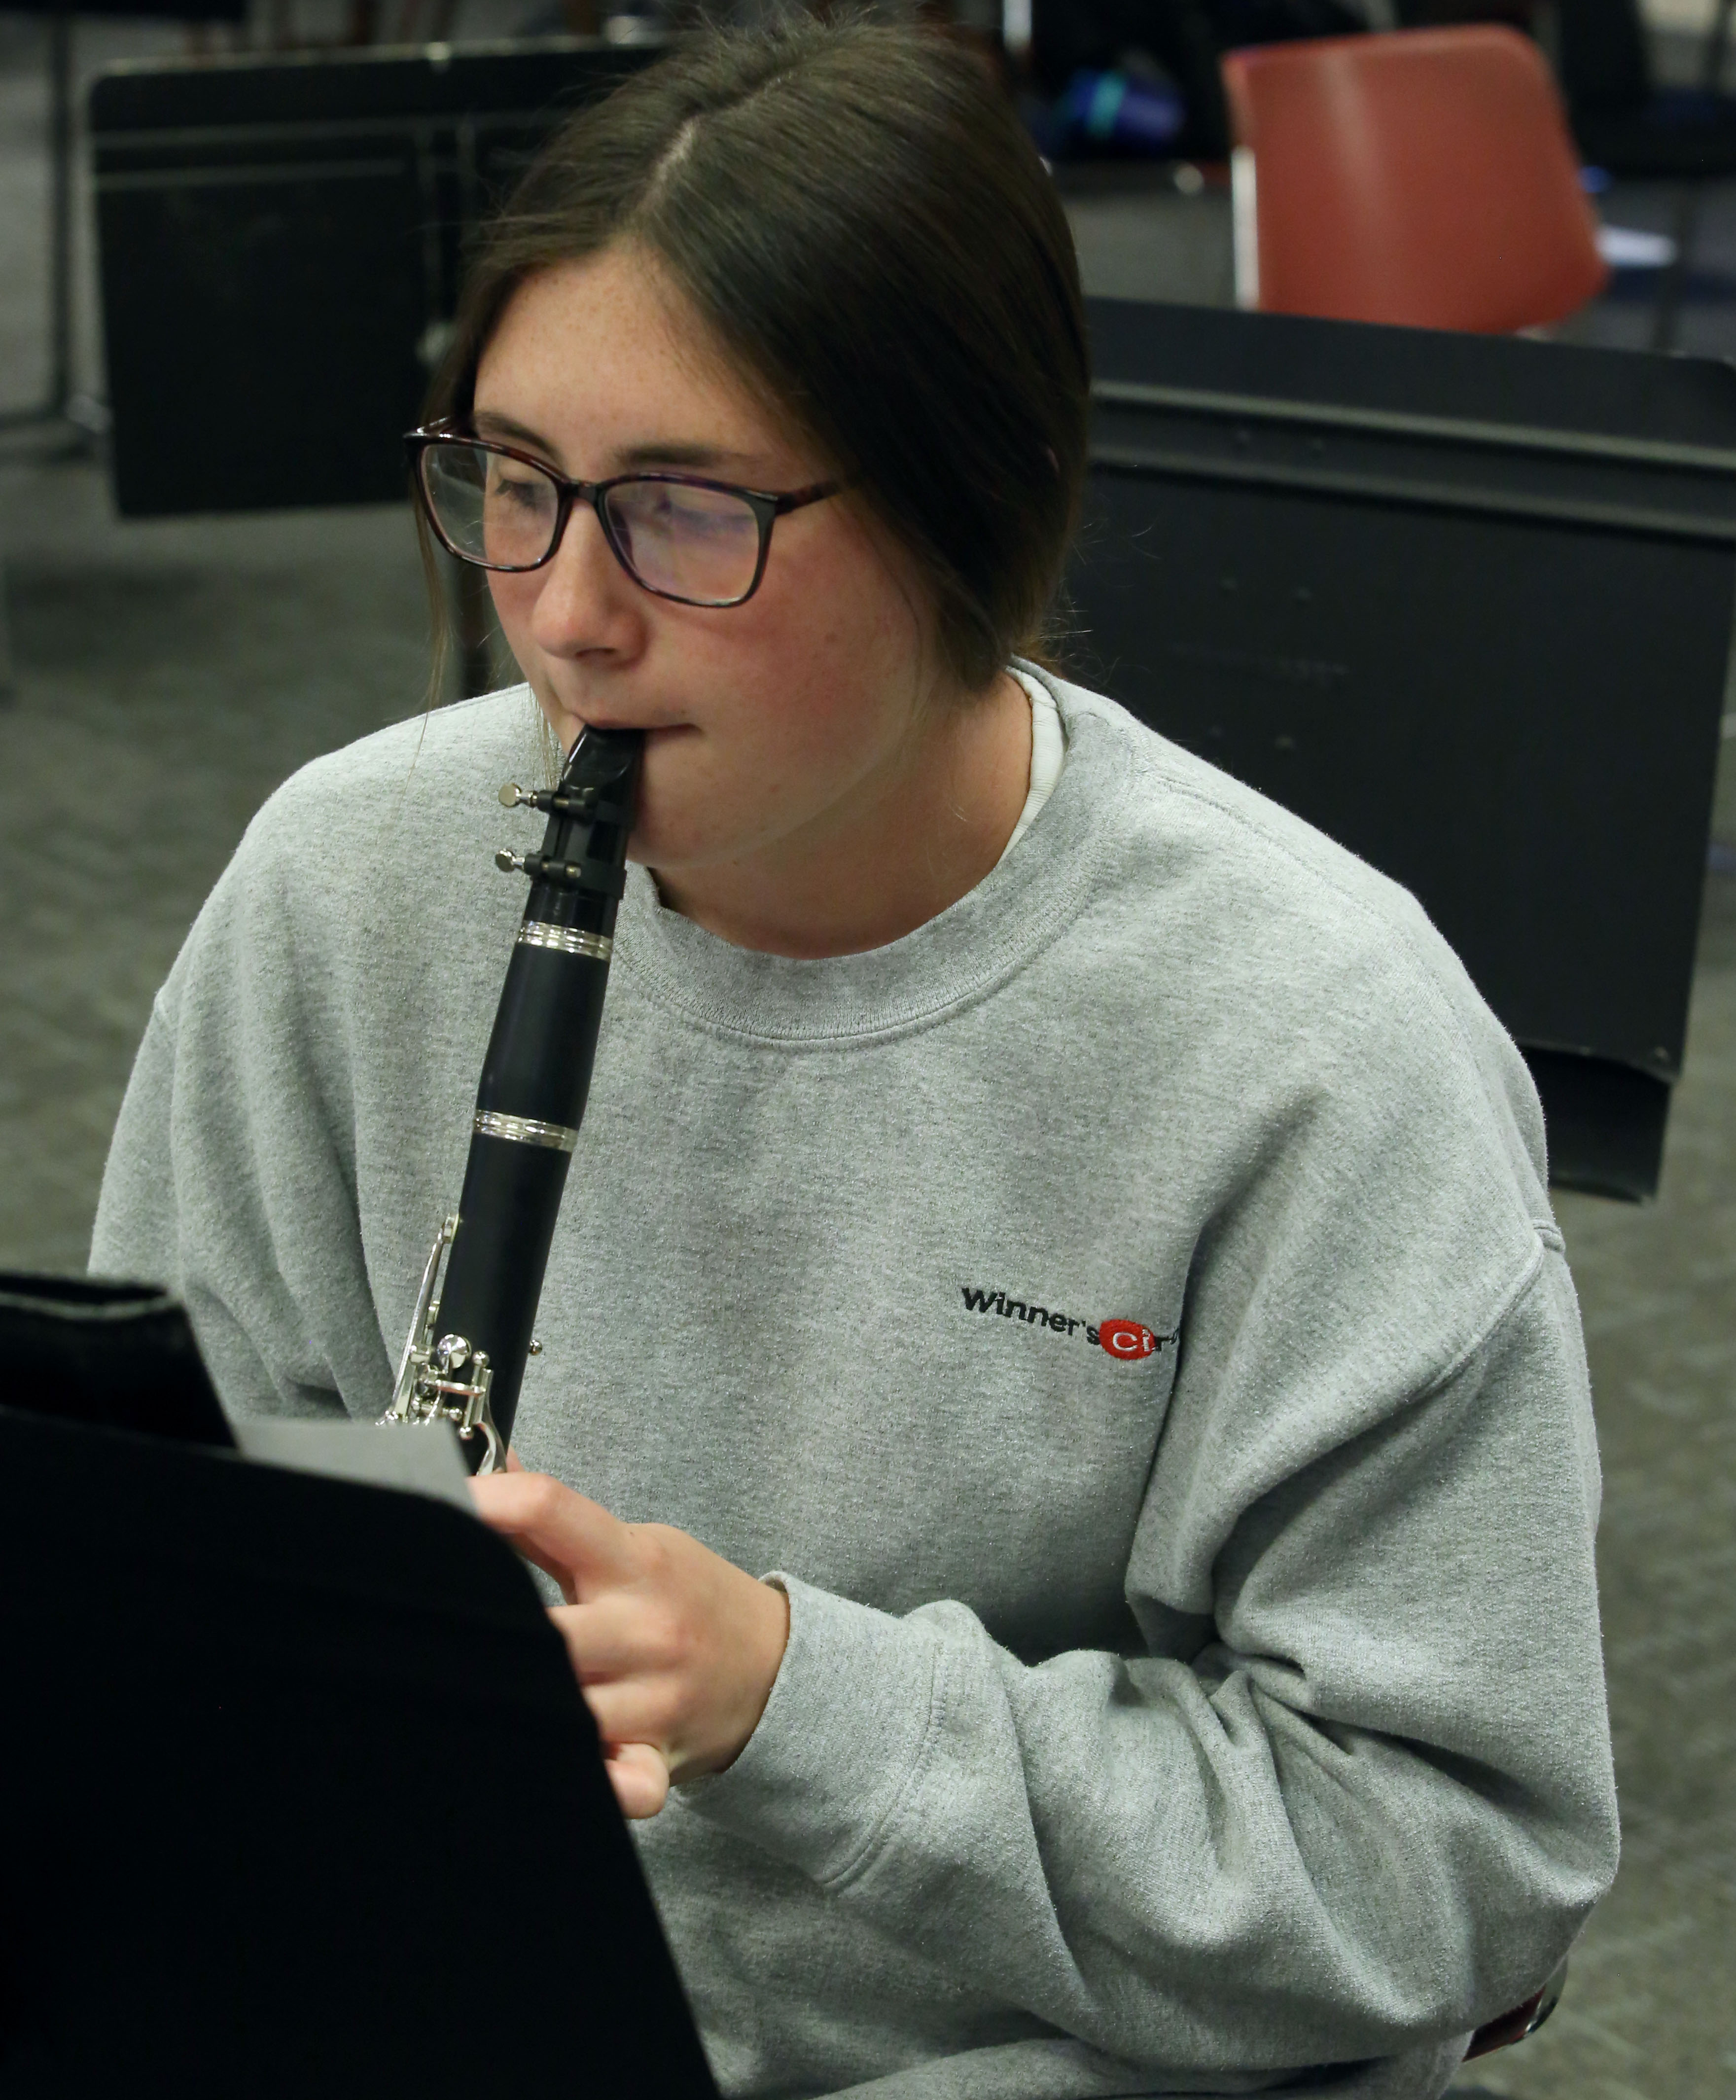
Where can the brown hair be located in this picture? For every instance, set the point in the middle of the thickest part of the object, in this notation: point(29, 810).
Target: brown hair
point(855, 211)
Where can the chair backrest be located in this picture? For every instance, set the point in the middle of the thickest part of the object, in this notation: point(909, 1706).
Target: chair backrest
point(1425, 177)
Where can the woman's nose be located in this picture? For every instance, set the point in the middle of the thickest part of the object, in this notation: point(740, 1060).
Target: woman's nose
point(586, 601)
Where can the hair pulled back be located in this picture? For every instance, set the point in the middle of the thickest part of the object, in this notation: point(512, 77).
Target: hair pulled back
point(857, 213)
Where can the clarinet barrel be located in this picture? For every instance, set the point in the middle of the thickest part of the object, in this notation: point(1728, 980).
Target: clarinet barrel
point(472, 1330)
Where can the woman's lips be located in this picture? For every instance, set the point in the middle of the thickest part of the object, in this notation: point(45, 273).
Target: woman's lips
point(656, 731)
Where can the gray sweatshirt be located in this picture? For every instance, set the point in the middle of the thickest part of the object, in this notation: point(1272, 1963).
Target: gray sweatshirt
point(1127, 1312)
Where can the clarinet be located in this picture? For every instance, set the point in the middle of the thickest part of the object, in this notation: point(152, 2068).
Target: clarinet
point(471, 1333)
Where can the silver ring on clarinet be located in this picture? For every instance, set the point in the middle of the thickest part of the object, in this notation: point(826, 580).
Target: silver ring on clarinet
point(525, 1130)
point(568, 940)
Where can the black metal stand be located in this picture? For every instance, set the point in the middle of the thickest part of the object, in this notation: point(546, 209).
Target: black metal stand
point(1672, 290)
point(306, 1799)
point(1426, 590)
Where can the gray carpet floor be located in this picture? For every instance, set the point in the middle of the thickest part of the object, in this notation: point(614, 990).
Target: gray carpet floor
point(170, 674)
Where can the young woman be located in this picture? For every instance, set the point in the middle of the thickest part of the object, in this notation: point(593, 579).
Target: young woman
point(1062, 1428)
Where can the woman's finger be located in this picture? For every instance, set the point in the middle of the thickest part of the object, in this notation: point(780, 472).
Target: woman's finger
point(627, 1712)
point(555, 1526)
point(611, 1637)
point(640, 1777)
point(550, 1565)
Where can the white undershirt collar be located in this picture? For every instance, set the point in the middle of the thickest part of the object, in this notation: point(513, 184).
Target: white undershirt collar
point(1048, 754)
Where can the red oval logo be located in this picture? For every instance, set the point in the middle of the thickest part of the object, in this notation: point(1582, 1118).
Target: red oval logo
point(1127, 1338)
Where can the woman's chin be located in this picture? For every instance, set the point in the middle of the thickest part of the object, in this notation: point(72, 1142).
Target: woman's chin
point(666, 847)
point(681, 841)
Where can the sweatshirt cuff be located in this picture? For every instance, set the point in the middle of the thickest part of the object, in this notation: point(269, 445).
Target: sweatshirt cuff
point(843, 1739)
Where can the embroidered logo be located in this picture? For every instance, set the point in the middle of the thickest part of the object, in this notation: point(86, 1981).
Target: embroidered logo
point(1128, 1341)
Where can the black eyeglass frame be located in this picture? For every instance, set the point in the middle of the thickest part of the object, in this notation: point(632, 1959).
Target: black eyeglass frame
point(766, 506)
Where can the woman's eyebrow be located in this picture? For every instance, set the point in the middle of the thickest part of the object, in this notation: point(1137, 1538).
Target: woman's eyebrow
point(673, 453)
point(490, 424)
point(676, 453)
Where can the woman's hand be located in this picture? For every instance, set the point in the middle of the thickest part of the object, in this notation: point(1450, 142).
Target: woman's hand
point(674, 1648)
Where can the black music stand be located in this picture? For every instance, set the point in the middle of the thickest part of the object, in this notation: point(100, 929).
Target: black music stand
point(281, 240)
point(1464, 603)
point(302, 1799)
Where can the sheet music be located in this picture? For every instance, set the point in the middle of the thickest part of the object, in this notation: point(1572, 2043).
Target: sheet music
point(422, 1461)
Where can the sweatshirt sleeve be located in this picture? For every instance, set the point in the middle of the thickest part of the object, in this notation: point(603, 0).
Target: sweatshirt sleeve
point(231, 1175)
point(1357, 1798)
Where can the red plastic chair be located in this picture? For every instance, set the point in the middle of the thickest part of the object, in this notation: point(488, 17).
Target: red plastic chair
point(1425, 178)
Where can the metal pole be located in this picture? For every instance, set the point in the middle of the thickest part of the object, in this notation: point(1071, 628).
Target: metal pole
point(1673, 291)
point(1717, 46)
point(1672, 284)
point(52, 407)
point(60, 209)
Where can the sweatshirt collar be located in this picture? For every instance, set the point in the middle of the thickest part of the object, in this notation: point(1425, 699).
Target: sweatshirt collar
point(960, 955)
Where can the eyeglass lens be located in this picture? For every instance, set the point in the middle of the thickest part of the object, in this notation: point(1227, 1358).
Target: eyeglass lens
point(702, 544)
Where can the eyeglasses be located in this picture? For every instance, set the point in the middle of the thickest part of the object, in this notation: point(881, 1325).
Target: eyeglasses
point(678, 535)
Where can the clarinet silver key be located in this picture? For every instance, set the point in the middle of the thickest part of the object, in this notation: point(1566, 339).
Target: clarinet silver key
point(428, 1387)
